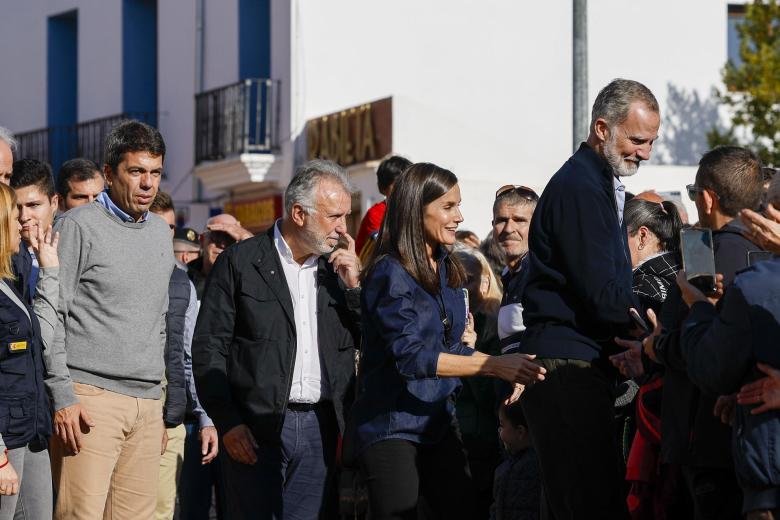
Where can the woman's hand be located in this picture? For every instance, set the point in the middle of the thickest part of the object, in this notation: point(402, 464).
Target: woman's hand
point(9, 481)
point(517, 368)
point(44, 244)
point(469, 337)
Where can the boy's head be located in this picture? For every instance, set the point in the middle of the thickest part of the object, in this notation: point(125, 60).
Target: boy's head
point(389, 170)
point(513, 428)
point(35, 196)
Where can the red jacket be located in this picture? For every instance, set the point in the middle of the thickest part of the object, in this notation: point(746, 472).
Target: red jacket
point(370, 224)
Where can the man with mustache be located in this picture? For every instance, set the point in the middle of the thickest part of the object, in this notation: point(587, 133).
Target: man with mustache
point(273, 351)
point(105, 366)
point(577, 300)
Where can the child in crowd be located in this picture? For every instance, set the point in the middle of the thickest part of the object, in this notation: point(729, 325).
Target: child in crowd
point(517, 487)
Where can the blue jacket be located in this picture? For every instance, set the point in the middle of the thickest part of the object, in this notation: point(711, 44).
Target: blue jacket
point(721, 351)
point(25, 415)
point(399, 394)
point(578, 290)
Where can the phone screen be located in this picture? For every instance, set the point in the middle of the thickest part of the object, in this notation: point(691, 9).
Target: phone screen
point(698, 258)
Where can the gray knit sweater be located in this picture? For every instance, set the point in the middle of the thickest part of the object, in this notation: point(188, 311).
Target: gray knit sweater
point(113, 299)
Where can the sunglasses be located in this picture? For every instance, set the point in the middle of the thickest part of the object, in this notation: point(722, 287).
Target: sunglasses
point(692, 190)
point(524, 191)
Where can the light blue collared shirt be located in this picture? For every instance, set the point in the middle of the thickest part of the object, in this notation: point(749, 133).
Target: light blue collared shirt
point(620, 198)
point(104, 200)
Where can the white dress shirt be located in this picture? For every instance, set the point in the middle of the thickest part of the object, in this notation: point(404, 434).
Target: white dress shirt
point(308, 383)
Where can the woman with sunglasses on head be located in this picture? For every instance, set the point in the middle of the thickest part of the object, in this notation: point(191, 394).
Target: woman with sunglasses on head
point(25, 418)
point(414, 350)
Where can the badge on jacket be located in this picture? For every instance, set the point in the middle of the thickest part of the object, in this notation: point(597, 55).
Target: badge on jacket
point(17, 346)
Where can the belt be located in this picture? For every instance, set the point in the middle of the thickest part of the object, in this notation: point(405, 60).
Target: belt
point(306, 407)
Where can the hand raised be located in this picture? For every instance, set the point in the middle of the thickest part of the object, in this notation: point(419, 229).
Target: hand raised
point(44, 244)
point(346, 263)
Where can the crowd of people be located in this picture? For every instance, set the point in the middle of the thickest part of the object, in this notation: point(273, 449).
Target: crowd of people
point(415, 371)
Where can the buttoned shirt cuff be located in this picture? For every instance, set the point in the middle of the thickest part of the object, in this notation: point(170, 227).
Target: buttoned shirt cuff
point(204, 421)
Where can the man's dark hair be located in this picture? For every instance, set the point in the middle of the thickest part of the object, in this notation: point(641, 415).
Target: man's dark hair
point(132, 136)
point(29, 172)
point(734, 174)
point(162, 202)
point(76, 170)
point(389, 170)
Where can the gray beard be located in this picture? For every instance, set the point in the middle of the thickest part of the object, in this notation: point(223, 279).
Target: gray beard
point(620, 166)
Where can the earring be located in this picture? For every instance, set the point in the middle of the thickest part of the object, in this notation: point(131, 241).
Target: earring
point(641, 246)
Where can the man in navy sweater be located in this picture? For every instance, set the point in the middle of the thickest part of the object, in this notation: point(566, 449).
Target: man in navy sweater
point(576, 301)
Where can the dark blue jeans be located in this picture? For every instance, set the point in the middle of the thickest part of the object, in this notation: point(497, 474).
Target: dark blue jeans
point(292, 480)
point(196, 481)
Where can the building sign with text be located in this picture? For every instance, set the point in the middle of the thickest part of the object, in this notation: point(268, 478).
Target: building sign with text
point(356, 135)
point(258, 213)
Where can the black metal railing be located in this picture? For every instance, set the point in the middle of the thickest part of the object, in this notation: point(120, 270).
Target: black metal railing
point(57, 144)
point(237, 118)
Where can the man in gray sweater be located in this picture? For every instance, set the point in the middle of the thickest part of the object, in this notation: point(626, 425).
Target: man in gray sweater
point(106, 364)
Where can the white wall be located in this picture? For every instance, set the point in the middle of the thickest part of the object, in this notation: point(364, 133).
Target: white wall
point(484, 88)
point(176, 92)
point(221, 60)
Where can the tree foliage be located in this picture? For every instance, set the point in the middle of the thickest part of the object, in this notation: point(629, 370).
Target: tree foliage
point(753, 86)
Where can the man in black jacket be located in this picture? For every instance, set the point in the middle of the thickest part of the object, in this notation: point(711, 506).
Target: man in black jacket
point(727, 181)
point(273, 352)
point(577, 299)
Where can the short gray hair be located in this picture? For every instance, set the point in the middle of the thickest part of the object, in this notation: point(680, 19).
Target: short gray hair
point(614, 100)
point(303, 185)
point(8, 138)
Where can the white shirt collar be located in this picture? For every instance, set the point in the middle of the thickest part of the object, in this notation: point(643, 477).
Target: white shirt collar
point(284, 249)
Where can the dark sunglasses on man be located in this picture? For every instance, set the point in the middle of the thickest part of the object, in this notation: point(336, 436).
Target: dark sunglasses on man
point(692, 190)
point(524, 191)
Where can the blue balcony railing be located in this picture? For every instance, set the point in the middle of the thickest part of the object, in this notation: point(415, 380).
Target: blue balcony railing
point(56, 145)
point(235, 119)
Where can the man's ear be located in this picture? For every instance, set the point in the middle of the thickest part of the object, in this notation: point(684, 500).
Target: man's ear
point(601, 129)
point(711, 202)
point(55, 200)
point(108, 173)
point(298, 214)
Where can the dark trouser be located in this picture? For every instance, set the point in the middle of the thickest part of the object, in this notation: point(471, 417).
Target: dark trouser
point(293, 480)
point(197, 481)
point(571, 417)
point(715, 493)
point(484, 457)
point(400, 475)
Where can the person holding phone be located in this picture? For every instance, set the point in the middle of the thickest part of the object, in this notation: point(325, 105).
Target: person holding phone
point(25, 330)
point(722, 347)
point(693, 434)
point(404, 430)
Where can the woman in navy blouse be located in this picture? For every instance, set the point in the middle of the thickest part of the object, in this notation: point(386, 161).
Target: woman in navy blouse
point(414, 318)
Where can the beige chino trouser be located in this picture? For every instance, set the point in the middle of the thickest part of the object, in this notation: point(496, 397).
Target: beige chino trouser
point(170, 468)
point(116, 474)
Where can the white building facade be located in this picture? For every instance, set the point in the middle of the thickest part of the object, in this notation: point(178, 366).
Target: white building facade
point(481, 88)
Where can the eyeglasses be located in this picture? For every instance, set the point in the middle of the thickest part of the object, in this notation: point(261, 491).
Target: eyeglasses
point(693, 190)
point(524, 191)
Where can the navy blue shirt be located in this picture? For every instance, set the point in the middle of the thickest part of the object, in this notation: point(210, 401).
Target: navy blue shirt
point(399, 394)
